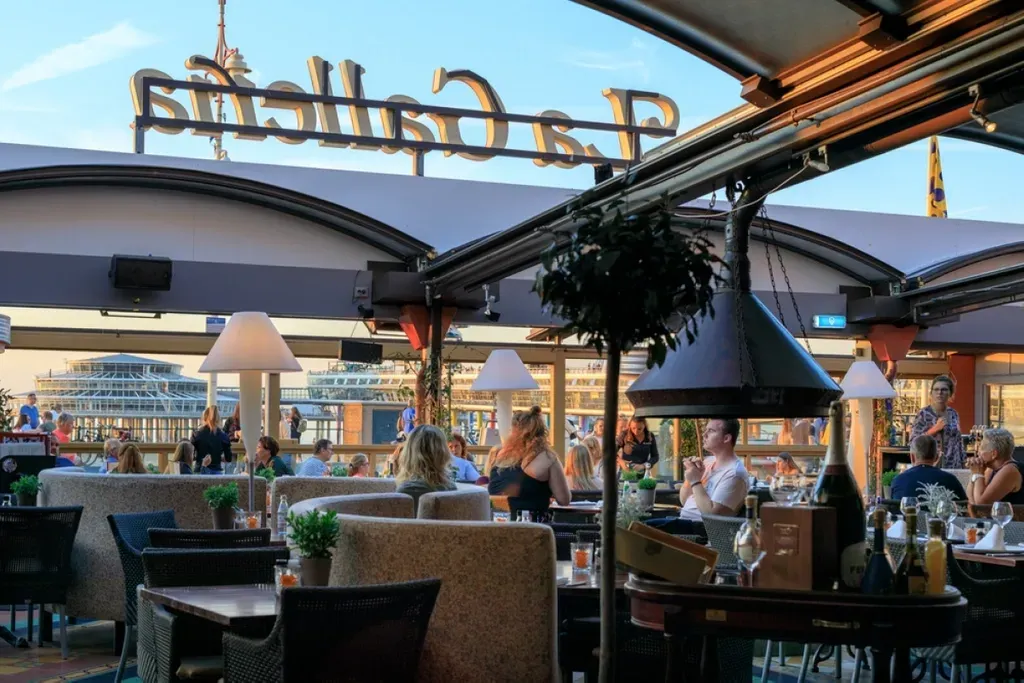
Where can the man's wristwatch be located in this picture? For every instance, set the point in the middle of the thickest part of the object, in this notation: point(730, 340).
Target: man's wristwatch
point(975, 477)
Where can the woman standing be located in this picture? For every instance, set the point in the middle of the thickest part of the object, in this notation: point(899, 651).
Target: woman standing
point(294, 422)
point(211, 443)
point(941, 422)
point(527, 470)
point(637, 448)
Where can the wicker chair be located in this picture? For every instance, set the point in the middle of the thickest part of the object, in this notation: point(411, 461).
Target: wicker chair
point(35, 558)
point(173, 647)
point(721, 535)
point(994, 626)
point(351, 634)
point(131, 534)
point(563, 545)
point(198, 539)
point(573, 528)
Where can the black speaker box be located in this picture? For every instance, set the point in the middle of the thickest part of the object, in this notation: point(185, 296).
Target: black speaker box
point(140, 272)
point(361, 352)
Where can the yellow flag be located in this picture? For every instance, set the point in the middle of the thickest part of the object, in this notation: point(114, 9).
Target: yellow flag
point(936, 190)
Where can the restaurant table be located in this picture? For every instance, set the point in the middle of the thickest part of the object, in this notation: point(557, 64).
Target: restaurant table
point(1012, 560)
point(882, 624)
point(566, 512)
point(248, 608)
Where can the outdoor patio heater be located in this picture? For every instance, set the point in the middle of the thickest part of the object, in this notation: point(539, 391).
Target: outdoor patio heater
point(743, 363)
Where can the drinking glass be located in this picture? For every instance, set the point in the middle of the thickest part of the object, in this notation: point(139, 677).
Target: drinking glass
point(285, 577)
point(785, 490)
point(1002, 513)
point(582, 555)
point(525, 516)
point(907, 502)
point(500, 516)
point(946, 511)
point(248, 520)
point(5, 500)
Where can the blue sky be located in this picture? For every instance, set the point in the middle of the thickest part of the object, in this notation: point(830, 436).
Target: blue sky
point(65, 67)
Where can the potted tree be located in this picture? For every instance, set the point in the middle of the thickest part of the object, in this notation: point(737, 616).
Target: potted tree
point(887, 478)
point(26, 487)
point(223, 500)
point(645, 492)
point(315, 535)
point(620, 281)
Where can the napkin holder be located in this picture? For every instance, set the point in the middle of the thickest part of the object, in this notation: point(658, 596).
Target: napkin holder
point(800, 547)
point(650, 551)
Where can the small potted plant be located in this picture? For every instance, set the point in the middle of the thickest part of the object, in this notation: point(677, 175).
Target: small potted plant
point(152, 469)
point(338, 470)
point(645, 492)
point(887, 479)
point(315, 535)
point(222, 500)
point(27, 488)
point(631, 478)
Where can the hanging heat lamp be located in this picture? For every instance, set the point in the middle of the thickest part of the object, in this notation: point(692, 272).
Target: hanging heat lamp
point(744, 362)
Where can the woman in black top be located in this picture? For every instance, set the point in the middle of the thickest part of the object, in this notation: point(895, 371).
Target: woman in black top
point(995, 476)
point(637, 447)
point(210, 440)
point(527, 470)
point(294, 420)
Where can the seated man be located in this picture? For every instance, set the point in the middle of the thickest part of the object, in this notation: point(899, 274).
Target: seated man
point(714, 485)
point(317, 465)
point(924, 456)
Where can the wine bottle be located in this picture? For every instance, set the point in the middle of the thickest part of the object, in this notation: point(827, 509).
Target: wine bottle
point(747, 545)
point(935, 557)
point(912, 577)
point(879, 578)
point(837, 488)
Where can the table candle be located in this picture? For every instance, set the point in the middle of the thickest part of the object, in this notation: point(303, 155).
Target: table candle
point(252, 522)
point(582, 559)
point(289, 580)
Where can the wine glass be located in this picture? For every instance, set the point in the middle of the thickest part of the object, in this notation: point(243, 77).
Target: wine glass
point(946, 511)
point(785, 489)
point(907, 502)
point(1002, 513)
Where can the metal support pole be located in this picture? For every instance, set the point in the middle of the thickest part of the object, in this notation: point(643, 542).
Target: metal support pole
point(436, 339)
point(558, 435)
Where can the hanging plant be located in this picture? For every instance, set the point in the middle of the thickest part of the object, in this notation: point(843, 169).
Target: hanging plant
point(6, 417)
point(622, 281)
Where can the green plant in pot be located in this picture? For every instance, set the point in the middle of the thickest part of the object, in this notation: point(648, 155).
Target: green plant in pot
point(645, 492)
point(338, 470)
point(887, 479)
point(26, 487)
point(315, 534)
point(222, 499)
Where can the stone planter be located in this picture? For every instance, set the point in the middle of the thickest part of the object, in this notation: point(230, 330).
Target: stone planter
point(316, 571)
point(646, 498)
point(887, 492)
point(223, 518)
point(27, 499)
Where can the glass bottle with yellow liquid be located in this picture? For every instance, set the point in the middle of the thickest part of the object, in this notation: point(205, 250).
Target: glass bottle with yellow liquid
point(912, 576)
point(935, 557)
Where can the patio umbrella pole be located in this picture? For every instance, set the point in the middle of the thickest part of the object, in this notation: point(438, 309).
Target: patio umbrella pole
point(609, 509)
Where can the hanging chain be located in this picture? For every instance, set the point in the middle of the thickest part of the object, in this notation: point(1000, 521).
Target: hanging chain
point(742, 343)
point(769, 231)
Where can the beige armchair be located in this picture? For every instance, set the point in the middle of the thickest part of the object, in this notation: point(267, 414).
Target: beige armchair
point(298, 489)
point(398, 505)
point(496, 621)
point(468, 503)
point(97, 591)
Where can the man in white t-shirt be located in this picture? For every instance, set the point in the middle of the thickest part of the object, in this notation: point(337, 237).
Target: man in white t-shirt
point(714, 485)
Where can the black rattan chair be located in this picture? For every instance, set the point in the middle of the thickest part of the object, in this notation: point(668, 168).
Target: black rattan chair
point(199, 539)
point(35, 558)
point(131, 534)
point(179, 647)
point(721, 536)
point(563, 545)
point(351, 634)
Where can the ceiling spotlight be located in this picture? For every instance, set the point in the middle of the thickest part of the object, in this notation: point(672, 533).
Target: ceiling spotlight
point(820, 164)
point(367, 313)
point(493, 316)
point(985, 122)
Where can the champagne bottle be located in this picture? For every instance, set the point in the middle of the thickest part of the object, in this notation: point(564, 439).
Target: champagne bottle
point(747, 545)
point(837, 488)
point(912, 577)
point(879, 578)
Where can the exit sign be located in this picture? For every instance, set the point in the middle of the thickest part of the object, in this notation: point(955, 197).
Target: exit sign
point(829, 322)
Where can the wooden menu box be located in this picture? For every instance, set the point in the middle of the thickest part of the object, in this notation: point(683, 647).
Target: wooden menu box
point(800, 547)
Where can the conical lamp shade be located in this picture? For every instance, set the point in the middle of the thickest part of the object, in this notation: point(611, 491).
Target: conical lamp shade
point(504, 371)
point(865, 380)
point(250, 342)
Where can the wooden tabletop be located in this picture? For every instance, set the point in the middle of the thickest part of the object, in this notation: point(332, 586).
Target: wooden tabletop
point(1015, 560)
point(229, 606)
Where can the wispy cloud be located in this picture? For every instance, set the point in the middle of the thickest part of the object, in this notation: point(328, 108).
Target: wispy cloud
point(633, 59)
point(93, 51)
point(967, 212)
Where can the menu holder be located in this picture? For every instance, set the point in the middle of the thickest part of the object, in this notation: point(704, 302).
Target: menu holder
point(800, 547)
point(654, 552)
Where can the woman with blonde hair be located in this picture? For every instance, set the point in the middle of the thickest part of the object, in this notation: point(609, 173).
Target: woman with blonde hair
point(424, 466)
point(527, 470)
point(129, 460)
point(579, 470)
point(594, 447)
point(111, 447)
point(212, 444)
point(182, 459)
point(359, 466)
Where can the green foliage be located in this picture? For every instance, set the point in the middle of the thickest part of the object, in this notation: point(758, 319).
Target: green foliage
point(222, 497)
point(152, 469)
point(267, 473)
point(630, 476)
point(26, 485)
point(628, 279)
point(339, 470)
point(647, 484)
point(6, 416)
point(314, 533)
point(887, 477)
point(690, 440)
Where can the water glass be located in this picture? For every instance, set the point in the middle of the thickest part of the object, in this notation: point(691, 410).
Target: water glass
point(786, 490)
point(285, 577)
point(499, 516)
point(582, 555)
point(6, 500)
point(248, 520)
point(525, 516)
point(1002, 513)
